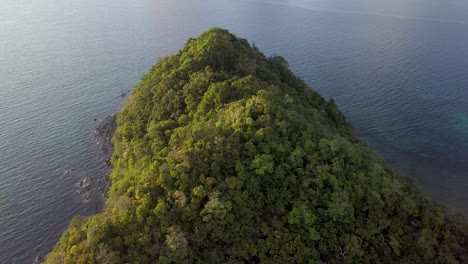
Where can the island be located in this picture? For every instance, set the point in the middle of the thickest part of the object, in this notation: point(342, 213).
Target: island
point(223, 155)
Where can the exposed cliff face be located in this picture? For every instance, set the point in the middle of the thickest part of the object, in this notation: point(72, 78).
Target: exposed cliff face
point(223, 155)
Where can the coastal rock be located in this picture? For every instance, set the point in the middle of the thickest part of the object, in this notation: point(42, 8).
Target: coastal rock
point(68, 171)
point(86, 183)
point(86, 189)
point(38, 260)
point(104, 132)
point(124, 94)
point(86, 196)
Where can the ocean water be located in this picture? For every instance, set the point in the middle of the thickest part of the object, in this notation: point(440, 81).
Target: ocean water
point(398, 70)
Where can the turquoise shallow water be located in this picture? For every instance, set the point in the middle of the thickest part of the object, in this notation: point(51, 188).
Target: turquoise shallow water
point(398, 70)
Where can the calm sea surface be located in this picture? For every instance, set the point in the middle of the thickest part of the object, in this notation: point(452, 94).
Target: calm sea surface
point(398, 70)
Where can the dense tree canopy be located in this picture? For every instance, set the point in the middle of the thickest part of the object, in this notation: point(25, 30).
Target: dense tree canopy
point(224, 156)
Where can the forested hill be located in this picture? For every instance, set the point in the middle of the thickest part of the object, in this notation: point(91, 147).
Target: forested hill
point(224, 156)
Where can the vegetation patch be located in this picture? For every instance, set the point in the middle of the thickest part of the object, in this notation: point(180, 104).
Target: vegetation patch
point(224, 156)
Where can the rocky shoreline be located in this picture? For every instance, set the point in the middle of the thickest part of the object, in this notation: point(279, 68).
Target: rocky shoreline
point(103, 132)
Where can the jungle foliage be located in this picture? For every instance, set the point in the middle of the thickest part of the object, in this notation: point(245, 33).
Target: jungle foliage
point(223, 155)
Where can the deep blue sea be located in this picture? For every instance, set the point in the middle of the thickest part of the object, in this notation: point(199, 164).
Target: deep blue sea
point(398, 70)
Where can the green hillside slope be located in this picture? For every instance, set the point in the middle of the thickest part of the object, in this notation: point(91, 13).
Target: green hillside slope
point(224, 156)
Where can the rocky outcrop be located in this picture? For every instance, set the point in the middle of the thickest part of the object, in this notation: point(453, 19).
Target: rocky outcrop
point(124, 94)
point(105, 130)
point(38, 260)
point(86, 183)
